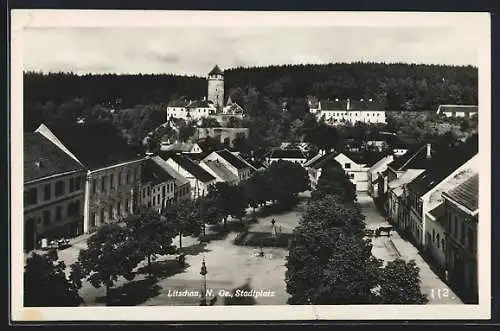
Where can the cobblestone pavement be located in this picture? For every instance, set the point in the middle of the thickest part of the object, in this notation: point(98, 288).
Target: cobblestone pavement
point(390, 248)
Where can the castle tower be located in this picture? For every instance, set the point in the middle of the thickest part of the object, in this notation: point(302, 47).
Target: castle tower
point(216, 87)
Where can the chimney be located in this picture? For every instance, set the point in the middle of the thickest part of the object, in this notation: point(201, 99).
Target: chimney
point(429, 151)
point(348, 104)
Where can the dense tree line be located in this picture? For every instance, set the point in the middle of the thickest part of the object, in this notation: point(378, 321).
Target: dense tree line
point(397, 86)
point(330, 260)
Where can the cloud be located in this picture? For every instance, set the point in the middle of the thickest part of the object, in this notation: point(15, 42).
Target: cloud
point(165, 57)
point(194, 50)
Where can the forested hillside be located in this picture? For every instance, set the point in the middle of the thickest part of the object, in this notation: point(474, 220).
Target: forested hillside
point(138, 101)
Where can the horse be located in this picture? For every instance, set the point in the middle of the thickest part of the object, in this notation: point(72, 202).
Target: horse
point(381, 229)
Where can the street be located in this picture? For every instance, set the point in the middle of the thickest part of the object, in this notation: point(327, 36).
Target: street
point(390, 248)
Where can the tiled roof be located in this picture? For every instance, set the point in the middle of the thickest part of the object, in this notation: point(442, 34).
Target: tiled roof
point(96, 145)
point(323, 160)
point(405, 178)
point(179, 179)
point(193, 168)
point(199, 104)
point(42, 158)
point(179, 147)
point(154, 173)
point(177, 103)
point(356, 105)
point(287, 154)
point(435, 174)
point(234, 160)
point(333, 105)
point(413, 159)
point(221, 171)
point(466, 194)
point(458, 108)
point(216, 71)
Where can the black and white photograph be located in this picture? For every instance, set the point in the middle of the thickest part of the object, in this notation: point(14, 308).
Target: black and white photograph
point(321, 165)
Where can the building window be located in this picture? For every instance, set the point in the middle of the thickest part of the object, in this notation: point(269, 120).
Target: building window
point(163, 190)
point(46, 192)
point(119, 178)
point(442, 244)
point(462, 232)
point(94, 186)
point(78, 183)
point(59, 188)
point(119, 209)
point(111, 181)
point(433, 235)
point(103, 183)
point(46, 217)
point(71, 185)
point(128, 178)
point(92, 220)
point(437, 240)
point(470, 240)
point(58, 213)
point(110, 212)
point(347, 166)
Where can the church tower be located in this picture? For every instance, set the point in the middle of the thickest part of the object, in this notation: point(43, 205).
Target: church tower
point(216, 87)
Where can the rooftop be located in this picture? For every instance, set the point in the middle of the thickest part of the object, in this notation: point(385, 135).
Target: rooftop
point(287, 154)
point(319, 161)
point(216, 71)
point(179, 147)
point(234, 160)
point(466, 194)
point(413, 159)
point(177, 103)
point(42, 158)
point(436, 173)
point(193, 168)
point(153, 173)
point(221, 171)
point(179, 179)
point(200, 104)
point(97, 145)
point(458, 108)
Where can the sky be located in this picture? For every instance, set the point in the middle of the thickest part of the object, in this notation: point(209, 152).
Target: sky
point(191, 50)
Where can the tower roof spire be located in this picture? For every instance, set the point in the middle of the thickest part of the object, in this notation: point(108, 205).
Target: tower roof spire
point(216, 71)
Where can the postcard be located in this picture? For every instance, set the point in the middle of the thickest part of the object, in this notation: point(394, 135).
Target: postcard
point(246, 166)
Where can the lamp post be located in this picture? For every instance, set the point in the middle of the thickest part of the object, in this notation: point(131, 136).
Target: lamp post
point(203, 273)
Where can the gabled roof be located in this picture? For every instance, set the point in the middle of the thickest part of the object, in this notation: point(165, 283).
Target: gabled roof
point(234, 160)
point(179, 147)
point(179, 179)
point(333, 105)
point(322, 160)
point(220, 170)
point(200, 104)
point(42, 158)
point(458, 108)
point(177, 103)
point(435, 174)
point(466, 194)
point(356, 105)
point(216, 71)
point(405, 178)
point(413, 159)
point(96, 145)
point(287, 154)
point(193, 168)
point(154, 173)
